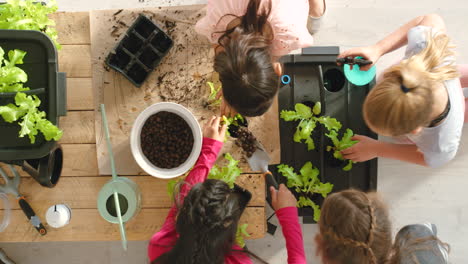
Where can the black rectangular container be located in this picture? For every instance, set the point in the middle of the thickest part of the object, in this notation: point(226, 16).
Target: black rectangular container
point(315, 77)
point(44, 80)
point(140, 51)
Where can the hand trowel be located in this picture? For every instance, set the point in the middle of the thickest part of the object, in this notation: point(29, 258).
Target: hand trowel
point(259, 162)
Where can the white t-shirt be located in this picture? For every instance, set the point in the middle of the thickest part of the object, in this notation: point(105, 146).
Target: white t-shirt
point(439, 144)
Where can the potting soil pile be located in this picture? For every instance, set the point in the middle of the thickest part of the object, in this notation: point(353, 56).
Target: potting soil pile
point(181, 77)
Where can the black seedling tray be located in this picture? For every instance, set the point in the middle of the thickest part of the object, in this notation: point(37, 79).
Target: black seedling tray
point(314, 76)
point(140, 51)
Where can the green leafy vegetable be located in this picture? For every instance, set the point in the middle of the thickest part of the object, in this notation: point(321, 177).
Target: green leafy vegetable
point(171, 185)
point(306, 184)
point(241, 234)
point(330, 123)
point(229, 173)
point(25, 110)
point(232, 121)
point(304, 202)
point(213, 99)
point(339, 145)
point(307, 122)
point(29, 15)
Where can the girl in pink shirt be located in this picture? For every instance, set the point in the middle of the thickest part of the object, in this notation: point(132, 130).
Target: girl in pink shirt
point(202, 229)
point(249, 36)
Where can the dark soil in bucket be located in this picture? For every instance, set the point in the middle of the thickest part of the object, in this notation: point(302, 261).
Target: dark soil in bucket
point(246, 140)
point(166, 140)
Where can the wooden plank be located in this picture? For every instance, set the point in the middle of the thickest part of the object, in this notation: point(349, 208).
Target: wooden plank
point(80, 94)
point(82, 192)
point(87, 225)
point(78, 127)
point(79, 160)
point(75, 60)
point(73, 27)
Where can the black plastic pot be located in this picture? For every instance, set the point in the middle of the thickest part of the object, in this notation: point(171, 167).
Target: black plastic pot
point(140, 51)
point(44, 80)
point(315, 77)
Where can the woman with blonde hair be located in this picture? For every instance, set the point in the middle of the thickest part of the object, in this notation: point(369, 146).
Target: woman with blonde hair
point(419, 101)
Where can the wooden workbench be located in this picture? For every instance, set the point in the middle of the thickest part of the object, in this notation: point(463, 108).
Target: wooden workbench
point(80, 181)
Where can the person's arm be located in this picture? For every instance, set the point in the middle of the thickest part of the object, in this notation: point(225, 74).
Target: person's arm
point(284, 203)
point(395, 40)
point(368, 148)
point(212, 144)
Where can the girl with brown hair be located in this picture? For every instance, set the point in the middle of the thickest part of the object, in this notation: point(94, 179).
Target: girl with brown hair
point(419, 100)
point(355, 228)
point(249, 36)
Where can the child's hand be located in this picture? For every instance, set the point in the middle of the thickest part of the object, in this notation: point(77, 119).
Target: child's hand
point(213, 129)
point(371, 53)
point(364, 150)
point(282, 198)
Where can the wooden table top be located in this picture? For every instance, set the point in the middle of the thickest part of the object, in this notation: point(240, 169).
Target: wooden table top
point(80, 182)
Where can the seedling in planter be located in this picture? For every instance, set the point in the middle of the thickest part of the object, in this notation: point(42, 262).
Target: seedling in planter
point(213, 99)
point(339, 145)
point(306, 184)
point(26, 107)
point(29, 15)
point(308, 119)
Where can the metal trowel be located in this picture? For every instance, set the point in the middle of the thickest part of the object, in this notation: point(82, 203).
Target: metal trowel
point(259, 162)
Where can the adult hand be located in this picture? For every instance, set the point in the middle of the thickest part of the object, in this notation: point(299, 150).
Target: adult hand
point(371, 53)
point(213, 129)
point(364, 150)
point(282, 198)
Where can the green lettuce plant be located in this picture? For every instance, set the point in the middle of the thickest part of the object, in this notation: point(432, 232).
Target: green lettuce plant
point(341, 144)
point(29, 15)
point(306, 183)
point(25, 110)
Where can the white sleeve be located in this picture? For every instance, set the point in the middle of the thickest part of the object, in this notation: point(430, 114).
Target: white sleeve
point(417, 40)
point(435, 160)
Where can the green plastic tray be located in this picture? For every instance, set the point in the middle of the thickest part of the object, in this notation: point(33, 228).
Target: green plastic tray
point(40, 63)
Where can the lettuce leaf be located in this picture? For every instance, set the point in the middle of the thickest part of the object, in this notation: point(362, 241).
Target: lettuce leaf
point(307, 182)
point(229, 173)
point(25, 110)
point(339, 145)
point(241, 234)
point(305, 202)
point(212, 99)
point(29, 15)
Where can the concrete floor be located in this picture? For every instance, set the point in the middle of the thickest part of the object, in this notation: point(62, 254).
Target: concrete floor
point(415, 194)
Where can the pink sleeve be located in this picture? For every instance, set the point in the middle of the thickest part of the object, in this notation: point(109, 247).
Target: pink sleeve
point(163, 240)
point(292, 232)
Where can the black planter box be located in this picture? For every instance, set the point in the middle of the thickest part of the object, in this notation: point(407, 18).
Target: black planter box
point(314, 76)
point(140, 51)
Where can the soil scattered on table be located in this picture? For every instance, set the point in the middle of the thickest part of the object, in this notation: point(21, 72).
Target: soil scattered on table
point(166, 140)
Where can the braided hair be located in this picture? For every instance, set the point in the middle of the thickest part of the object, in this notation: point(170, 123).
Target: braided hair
point(206, 224)
point(354, 228)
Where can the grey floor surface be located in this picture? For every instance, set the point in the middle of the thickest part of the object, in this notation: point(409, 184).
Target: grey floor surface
point(415, 194)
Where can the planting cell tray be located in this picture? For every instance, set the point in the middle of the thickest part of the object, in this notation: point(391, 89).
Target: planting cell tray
point(315, 77)
point(44, 80)
point(140, 51)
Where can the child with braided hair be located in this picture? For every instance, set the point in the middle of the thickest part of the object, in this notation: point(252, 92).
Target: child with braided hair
point(201, 227)
point(355, 228)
